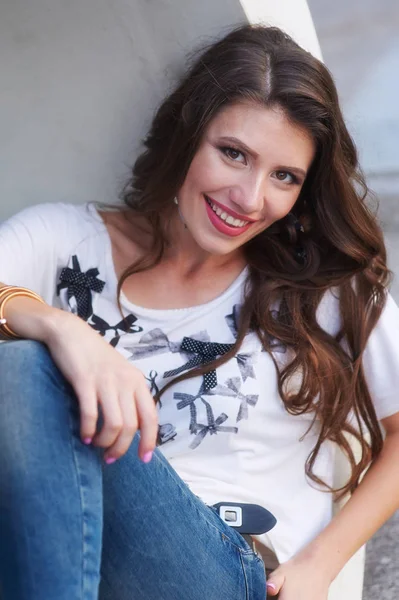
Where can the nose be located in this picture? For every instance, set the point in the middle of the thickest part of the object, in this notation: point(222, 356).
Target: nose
point(249, 195)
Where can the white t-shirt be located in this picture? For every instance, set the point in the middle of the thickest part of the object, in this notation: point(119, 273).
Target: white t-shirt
point(228, 434)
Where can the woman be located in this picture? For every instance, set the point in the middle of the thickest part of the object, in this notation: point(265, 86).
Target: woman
point(252, 280)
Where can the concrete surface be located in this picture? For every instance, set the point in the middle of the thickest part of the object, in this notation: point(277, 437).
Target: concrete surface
point(360, 44)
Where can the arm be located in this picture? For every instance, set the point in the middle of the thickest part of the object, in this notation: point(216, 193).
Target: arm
point(33, 246)
point(31, 319)
point(312, 570)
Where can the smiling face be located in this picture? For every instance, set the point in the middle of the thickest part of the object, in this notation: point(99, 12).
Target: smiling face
point(247, 174)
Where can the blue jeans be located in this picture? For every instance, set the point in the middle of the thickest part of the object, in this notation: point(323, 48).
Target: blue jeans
point(73, 528)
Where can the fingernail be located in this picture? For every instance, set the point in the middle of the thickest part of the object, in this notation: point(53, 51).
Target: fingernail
point(271, 586)
point(110, 460)
point(87, 440)
point(147, 457)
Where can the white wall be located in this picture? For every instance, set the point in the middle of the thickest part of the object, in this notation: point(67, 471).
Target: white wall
point(80, 80)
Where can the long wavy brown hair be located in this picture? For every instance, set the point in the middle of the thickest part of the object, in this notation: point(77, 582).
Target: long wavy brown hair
point(338, 245)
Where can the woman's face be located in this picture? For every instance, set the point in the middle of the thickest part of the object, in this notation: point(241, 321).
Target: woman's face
point(246, 174)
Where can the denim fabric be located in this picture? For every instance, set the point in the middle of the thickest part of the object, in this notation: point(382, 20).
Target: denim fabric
point(73, 528)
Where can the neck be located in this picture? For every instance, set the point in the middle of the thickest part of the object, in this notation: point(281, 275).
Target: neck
point(184, 256)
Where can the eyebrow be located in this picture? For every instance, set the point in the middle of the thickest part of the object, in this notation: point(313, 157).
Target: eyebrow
point(234, 140)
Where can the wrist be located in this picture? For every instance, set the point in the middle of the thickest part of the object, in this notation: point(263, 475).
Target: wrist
point(325, 560)
point(56, 323)
point(27, 317)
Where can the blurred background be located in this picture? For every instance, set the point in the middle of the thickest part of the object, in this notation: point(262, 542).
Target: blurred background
point(360, 44)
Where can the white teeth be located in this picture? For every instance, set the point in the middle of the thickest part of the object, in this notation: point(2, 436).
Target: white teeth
point(225, 217)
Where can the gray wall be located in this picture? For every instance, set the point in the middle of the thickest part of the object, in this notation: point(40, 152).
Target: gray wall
point(79, 83)
point(80, 80)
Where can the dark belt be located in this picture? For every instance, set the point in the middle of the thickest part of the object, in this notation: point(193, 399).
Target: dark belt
point(246, 518)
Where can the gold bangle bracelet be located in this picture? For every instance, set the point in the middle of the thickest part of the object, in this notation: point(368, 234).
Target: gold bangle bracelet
point(13, 292)
point(5, 290)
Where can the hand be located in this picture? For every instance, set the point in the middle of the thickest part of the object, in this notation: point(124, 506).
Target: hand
point(100, 375)
point(299, 579)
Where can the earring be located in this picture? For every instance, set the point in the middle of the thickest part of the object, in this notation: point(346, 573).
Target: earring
point(301, 255)
point(296, 223)
point(175, 200)
point(299, 250)
point(299, 227)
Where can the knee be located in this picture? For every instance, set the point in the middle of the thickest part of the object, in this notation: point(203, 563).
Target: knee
point(18, 356)
point(30, 383)
point(25, 362)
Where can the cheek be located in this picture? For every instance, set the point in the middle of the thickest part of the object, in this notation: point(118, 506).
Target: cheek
point(206, 172)
point(281, 204)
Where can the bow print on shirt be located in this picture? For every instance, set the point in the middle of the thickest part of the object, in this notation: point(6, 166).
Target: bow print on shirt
point(189, 400)
point(80, 285)
point(153, 342)
point(212, 428)
point(204, 353)
point(232, 388)
point(244, 360)
point(232, 319)
point(166, 433)
point(152, 380)
point(124, 326)
point(200, 430)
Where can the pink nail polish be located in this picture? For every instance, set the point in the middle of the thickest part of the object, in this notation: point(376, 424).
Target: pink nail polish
point(271, 586)
point(147, 457)
point(87, 440)
point(110, 460)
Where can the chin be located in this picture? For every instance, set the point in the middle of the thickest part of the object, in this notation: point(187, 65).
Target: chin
point(215, 247)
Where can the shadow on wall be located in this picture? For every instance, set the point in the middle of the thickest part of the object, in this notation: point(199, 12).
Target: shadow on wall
point(81, 81)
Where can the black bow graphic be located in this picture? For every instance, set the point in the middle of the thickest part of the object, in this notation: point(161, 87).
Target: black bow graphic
point(80, 285)
point(204, 353)
point(125, 326)
point(233, 319)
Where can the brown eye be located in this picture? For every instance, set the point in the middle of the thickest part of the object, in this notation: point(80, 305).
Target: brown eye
point(285, 177)
point(234, 154)
point(281, 175)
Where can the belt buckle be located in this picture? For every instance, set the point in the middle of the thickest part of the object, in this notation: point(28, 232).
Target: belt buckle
point(232, 515)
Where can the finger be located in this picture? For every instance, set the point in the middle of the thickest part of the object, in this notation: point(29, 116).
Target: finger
point(148, 422)
point(88, 408)
point(275, 583)
point(112, 417)
point(129, 428)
